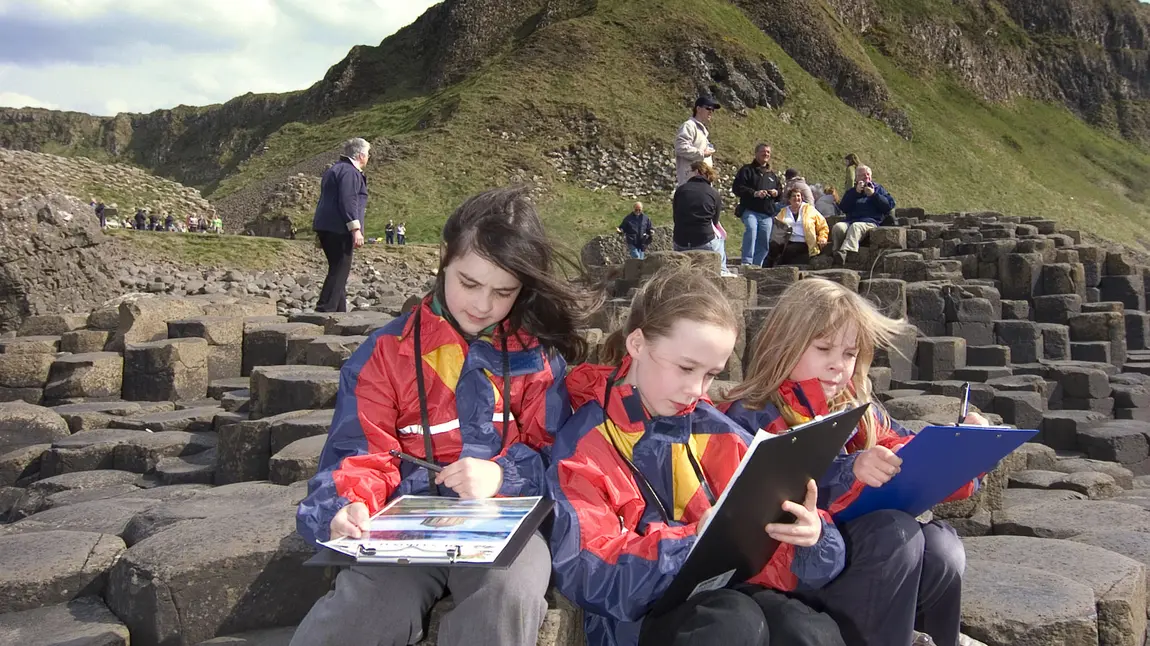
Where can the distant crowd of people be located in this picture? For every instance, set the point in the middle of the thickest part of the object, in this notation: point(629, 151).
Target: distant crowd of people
point(784, 219)
point(144, 220)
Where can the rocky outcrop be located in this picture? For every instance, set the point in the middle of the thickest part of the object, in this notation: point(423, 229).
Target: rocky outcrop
point(52, 254)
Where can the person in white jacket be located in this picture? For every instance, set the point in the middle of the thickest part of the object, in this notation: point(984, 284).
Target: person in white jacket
point(692, 143)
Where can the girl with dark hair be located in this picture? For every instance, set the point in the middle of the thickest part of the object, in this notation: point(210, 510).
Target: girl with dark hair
point(472, 380)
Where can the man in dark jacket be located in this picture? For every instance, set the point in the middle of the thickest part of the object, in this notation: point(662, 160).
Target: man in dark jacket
point(757, 187)
point(637, 231)
point(338, 221)
point(865, 206)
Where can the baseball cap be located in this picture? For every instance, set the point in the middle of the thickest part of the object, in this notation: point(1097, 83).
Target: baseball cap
point(707, 102)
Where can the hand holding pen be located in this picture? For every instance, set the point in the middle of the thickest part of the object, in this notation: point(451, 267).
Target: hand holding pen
point(967, 418)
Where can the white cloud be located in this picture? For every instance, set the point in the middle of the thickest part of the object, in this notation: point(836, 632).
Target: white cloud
point(17, 100)
point(106, 56)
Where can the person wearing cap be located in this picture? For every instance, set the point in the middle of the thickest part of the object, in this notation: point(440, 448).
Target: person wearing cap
point(692, 144)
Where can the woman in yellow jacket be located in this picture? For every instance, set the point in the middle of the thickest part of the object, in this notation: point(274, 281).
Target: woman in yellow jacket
point(801, 232)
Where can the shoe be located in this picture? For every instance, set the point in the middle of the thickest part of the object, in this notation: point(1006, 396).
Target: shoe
point(727, 274)
point(922, 639)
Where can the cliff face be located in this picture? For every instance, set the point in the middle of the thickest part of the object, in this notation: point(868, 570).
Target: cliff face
point(1089, 55)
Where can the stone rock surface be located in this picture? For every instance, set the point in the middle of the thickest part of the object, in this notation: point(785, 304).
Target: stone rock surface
point(77, 566)
point(1005, 604)
point(83, 622)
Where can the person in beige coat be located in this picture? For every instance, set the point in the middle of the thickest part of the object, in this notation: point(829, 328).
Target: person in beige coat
point(692, 143)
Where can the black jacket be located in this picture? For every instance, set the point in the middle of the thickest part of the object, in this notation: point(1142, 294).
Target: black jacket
point(637, 230)
point(695, 208)
point(751, 178)
point(342, 198)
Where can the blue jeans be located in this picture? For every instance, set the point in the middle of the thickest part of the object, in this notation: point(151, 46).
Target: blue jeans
point(715, 245)
point(636, 252)
point(756, 237)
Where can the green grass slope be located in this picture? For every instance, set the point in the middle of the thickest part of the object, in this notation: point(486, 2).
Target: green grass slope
point(1023, 158)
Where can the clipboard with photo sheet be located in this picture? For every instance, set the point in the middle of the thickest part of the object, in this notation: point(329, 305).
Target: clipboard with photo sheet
point(438, 530)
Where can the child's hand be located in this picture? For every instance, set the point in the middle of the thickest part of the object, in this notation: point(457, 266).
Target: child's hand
point(472, 478)
point(807, 528)
point(974, 419)
point(875, 466)
point(350, 521)
point(706, 518)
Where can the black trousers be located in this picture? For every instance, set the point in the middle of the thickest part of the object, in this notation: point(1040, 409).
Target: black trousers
point(795, 253)
point(899, 576)
point(745, 615)
point(337, 247)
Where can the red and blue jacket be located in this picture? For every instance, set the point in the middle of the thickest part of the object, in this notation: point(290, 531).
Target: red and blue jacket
point(612, 551)
point(377, 410)
point(802, 402)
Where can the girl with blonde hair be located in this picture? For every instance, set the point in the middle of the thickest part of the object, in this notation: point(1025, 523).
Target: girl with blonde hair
point(812, 358)
point(635, 473)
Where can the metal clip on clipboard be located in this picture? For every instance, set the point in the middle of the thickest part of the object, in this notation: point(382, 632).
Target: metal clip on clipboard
point(452, 553)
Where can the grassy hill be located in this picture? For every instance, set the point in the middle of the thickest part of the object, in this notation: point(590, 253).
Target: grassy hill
point(1021, 157)
point(602, 78)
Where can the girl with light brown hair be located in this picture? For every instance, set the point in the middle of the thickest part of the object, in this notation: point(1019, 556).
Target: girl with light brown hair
point(812, 358)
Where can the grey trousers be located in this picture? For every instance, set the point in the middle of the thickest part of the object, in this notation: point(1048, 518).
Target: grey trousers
point(846, 237)
point(386, 606)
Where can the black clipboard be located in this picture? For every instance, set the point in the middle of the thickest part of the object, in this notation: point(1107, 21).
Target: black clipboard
point(327, 557)
point(734, 546)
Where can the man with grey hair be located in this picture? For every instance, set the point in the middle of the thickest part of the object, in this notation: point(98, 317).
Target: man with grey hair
point(338, 221)
point(865, 206)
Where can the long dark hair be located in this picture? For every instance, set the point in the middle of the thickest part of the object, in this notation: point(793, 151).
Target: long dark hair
point(502, 226)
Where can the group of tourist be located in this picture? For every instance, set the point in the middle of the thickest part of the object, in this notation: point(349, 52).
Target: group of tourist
point(474, 380)
point(784, 219)
point(144, 220)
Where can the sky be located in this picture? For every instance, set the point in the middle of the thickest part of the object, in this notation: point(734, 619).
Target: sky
point(109, 56)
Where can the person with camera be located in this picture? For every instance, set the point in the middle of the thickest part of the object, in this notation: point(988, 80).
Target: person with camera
point(865, 206)
point(757, 187)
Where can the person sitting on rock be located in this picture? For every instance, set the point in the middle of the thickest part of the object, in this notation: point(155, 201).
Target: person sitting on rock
point(637, 232)
point(806, 231)
point(389, 231)
point(828, 202)
point(490, 341)
point(626, 516)
point(812, 358)
point(865, 206)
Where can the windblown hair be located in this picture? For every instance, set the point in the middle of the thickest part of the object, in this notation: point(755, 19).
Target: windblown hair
point(816, 308)
point(673, 294)
point(706, 170)
point(503, 226)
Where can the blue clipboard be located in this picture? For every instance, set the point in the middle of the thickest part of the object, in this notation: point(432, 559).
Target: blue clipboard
point(935, 464)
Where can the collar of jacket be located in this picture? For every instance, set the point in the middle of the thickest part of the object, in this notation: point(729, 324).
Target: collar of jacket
point(525, 354)
point(699, 178)
point(755, 164)
point(345, 158)
point(588, 382)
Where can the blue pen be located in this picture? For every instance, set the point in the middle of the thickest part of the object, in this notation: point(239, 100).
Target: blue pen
point(965, 404)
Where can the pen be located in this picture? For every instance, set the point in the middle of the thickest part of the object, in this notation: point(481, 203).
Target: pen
point(416, 461)
point(965, 404)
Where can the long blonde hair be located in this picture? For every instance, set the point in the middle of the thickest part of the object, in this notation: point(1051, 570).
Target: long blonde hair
point(816, 308)
point(673, 294)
